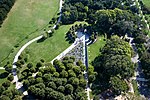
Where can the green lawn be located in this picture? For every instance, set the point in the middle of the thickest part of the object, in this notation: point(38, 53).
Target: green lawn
point(49, 48)
point(26, 17)
point(93, 49)
point(147, 3)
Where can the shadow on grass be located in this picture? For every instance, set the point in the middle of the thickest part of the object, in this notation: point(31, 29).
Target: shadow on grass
point(41, 40)
point(4, 75)
point(68, 40)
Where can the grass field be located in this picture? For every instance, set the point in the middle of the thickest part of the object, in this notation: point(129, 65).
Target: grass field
point(147, 3)
point(49, 48)
point(93, 49)
point(26, 17)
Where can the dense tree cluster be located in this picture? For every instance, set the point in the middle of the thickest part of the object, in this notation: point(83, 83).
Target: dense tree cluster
point(114, 65)
point(71, 35)
point(5, 6)
point(9, 94)
point(79, 10)
point(119, 22)
point(64, 80)
point(145, 64)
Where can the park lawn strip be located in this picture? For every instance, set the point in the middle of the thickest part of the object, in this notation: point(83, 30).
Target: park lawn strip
point(25, 17)
point(94, 49)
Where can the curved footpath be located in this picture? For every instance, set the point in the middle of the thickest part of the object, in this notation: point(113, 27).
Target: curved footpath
point(19, 84)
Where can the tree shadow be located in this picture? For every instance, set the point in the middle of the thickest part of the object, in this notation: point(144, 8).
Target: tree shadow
point(68, 40)
point(4, 75)
point(41, 40)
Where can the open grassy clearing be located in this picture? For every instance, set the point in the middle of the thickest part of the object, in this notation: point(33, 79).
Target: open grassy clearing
point(26, 17)
point(93, 49)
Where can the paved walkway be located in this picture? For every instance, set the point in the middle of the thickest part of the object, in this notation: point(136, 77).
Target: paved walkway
point(2, 68)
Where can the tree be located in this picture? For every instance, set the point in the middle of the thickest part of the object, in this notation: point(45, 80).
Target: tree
point(77, 69)
point(39, 80)
point(47, 77)
point(56, 74)
point(4, 97)
point(118, 85)
point(68, 97)
point(79, 63)
point(53, 95)
point(6, 84)
point(69, 66)
point(58, 81)
point(81, 96)
point(29, 65)
point(71, 73)
point(68, 89)
point(10, 77)
point(75, 82)
point(49, 69)
point(39, 64)
point(145, 63)
point(17, 97)
point(8, 68)
point(40, 85)
point(82, 82)
point(61, 89)
point(91, 78)
point(26, 83)
point(39, 74)
point(64, 81)
point(8, 93)
point(15, 92)
point(83, 68)
point(52, 85)
point(64, 74)
point(31, 80)
point(2, 88)
point(33, 70)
